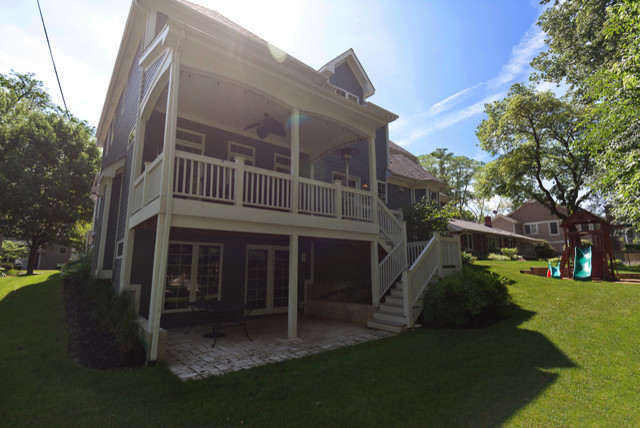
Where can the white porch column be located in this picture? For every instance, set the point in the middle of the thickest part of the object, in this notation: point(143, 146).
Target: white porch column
point(293, 287)
point(373, 179)
point(106, 205)
point(295, 158)
point(163, 227)
point(375, 274)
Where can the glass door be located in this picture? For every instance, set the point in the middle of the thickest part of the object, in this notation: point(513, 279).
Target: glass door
point(267, 287)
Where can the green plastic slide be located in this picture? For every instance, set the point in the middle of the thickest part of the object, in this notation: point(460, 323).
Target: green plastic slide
point(582, 264)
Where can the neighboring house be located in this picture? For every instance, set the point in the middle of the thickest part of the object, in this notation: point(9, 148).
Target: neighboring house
point(51, 257)
point(232, 171)
point(408, 182)
point(481, 239)
point(534, 220)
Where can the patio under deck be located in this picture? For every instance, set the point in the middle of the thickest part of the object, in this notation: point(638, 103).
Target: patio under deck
point(190, 356)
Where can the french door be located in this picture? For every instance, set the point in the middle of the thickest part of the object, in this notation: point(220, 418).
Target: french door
point(267, 279)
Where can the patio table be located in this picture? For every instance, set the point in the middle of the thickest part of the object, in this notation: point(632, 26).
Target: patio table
point(231, 314)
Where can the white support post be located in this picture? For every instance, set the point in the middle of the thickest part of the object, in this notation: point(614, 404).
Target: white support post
point(375, 274)
point(295, 158)
point(439, 252)
point(406, 297)
point(373, 179)
point(164, 221)
point(238, 185)
point(338, 201)
point(293, 287)
point(106, 206)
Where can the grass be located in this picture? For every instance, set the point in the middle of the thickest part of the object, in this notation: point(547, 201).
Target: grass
point(569, 357)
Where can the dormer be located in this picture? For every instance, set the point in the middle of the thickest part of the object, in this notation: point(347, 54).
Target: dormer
point(348, 78)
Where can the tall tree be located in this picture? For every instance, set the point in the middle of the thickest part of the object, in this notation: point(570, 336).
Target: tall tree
point(47, 164)
point(536, 137)
point(457, 171)
point(594, 46)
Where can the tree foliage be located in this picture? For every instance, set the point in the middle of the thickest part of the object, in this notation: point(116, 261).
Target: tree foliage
point(47, 165)
point(426, 217)
point(536, 137)
point(594, 46)
point(457, 171)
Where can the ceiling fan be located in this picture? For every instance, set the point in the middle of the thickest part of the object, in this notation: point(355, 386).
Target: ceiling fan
point(267, 126)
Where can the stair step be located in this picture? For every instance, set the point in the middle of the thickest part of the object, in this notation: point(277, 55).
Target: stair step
point(396, 292)
point(390, 326)
point(389, 316)
point(393, 308)
point(394, 300)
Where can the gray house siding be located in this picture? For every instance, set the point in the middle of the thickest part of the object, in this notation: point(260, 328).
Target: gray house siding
point(382, 151)
point(397, 198)
point(345, 79)
point(217, 143)
point(358, 165)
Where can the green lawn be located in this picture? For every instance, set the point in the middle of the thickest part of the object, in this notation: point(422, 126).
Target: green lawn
point(569, 357)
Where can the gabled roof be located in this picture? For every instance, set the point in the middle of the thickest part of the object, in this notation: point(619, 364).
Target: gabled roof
point(469, 226)
point(533, 202)
point(402, 165)
point(352, 60)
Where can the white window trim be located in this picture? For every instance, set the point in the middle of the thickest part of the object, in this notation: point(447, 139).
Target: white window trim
point(190, 144)
point(531, 227)
point(557, 228)
point(348, 95)
point(194, 271)
point(118, 247)
point(279, 166)
point(382, 194)
point(468, 241)
point(232, 155)
point(336, 175)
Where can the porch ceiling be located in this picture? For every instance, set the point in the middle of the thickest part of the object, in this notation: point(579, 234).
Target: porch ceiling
point(231, 107)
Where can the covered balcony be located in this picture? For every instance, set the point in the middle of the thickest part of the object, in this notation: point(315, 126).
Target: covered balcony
point(238, 154)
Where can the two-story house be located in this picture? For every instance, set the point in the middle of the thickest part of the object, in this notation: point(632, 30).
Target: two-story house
point(233, 171)
point(534, 220)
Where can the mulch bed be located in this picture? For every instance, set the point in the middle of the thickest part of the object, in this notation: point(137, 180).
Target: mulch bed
point(89, 345)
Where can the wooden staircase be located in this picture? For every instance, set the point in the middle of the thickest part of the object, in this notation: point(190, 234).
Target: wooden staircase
point(406, 272)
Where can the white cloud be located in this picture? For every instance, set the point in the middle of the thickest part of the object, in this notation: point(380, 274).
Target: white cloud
point(521, 56)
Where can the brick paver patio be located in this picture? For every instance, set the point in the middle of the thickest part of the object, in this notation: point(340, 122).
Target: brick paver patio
point(190, 356)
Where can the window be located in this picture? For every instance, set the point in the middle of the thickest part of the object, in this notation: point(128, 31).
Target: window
point(354, 182)
point(553, 228)
point(433, 196)
point(468, 241)
point(62, 250)
point(281, 163)
point(237, 150)
point(382, 191)
point(348, 95)
point(531, 229)
point(119, 249)
point(185, 262)
point(189, 141)
point(492, 243)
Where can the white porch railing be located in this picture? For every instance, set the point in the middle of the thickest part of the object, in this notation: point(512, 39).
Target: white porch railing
point(440, 257)
point(414, 249)
point(215, 180)
point(390, 225)
point(392, 266)
point(147, 186)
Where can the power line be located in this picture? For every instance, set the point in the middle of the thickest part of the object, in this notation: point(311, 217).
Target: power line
point(52, 60)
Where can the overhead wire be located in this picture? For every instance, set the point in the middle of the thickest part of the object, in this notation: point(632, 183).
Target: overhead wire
point(52, 60)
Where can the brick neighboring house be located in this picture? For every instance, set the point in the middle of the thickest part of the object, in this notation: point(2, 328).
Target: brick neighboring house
point(481, 239)
point(232, 171)
point(534, 220)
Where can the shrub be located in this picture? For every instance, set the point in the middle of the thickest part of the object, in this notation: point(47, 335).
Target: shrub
point(468, 258)
point(512, 253)
point(468, 298)
point(554, 260)
point(498, 257)
point(632, 248)
point(586, 243)
point(544, 250)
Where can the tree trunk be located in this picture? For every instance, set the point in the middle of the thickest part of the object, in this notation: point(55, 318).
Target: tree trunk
point(33, 257)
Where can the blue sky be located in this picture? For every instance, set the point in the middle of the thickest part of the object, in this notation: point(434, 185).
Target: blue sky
point(433, 62)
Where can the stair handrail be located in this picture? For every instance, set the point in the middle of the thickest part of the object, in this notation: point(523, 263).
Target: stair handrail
point(419, 275)
point(391, 267)
point(390, 226)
